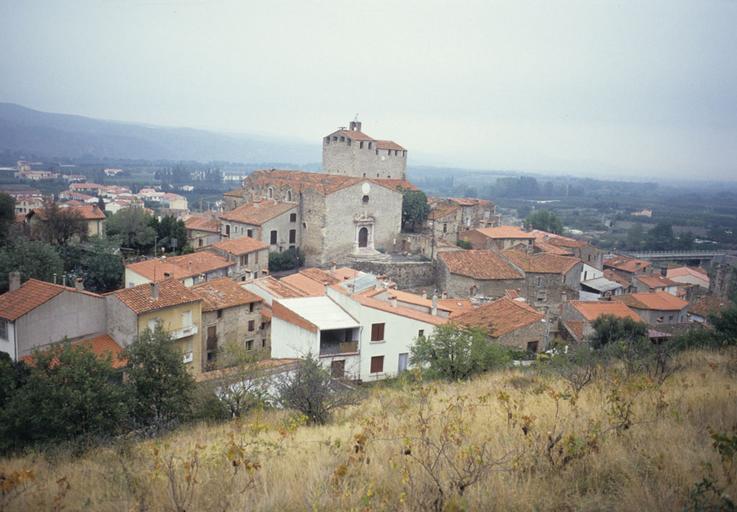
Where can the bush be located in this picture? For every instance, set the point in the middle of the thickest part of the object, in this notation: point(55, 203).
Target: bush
point(464, 244)
point(287, 260)
point(609, 328)
point(456, 352)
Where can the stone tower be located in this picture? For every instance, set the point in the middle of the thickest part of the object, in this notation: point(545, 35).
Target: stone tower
point(350, 152)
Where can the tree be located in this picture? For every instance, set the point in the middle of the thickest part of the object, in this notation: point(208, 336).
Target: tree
point(242, 387)
point(133, 226)
point(414, 209)
point(456, 352)
point(161, 386)
point(544, 220)
point(635, 236)
point(660, 238)
point(58, 225)
point(286, 260)
point(725, 326)
point(609, 329)
point(7, 215)
point(32, 259)
point(171, 232)
point(310, 390)
point(69, 392)
point(101, 265)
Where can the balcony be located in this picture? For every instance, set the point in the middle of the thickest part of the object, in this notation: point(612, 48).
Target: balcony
point(344, 347)
point(190, 330)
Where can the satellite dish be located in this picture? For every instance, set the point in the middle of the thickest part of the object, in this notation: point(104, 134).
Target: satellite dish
point(365, 188)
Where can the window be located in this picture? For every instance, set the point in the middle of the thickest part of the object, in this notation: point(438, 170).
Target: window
point(377, 363)
point(263, 343)
point(227, 230)
point(421, 333)
point(199, 242)
point(292, 217)
point(670, 318)
point(365, 199)
point(249, 233)
point(251, 325)
point(342, 139)
point(327, 140)
point(360, 145)
point(220, 313)
point(539, 281)
point(292, 236)
point(377, 332)
point(3, 329)
point(289, 195)
point(542, 296)
point(370, 144)
point(249, 344)
point(270, 193)
point(244, 259)
point(445, 228)
point(532, 346)
point(273, 237)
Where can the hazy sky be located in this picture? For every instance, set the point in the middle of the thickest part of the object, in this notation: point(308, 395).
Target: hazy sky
point(597, 87)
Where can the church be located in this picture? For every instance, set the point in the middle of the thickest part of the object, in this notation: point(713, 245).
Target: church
point(351, 210)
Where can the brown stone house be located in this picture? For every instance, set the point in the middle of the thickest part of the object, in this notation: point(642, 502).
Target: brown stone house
point(509, 322)
point(477, 272)
point(250, 257)
point(202, 230)
point(230, 315)
point(498, 238)
point(577, 317)
point(272, 222)
point(657, 308)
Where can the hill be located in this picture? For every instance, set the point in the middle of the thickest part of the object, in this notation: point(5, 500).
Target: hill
point(48, 135)
point(512, 440)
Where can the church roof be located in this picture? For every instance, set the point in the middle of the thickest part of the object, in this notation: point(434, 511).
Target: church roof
point(321, 183)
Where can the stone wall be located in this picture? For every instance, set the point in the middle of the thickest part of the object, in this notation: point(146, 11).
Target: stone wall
point(460, 286)
point(519, 338)
point(407, 274)
point(359, 160)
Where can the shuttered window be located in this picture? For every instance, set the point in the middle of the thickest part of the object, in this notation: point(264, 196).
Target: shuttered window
point(377, 332)
point(377, 363)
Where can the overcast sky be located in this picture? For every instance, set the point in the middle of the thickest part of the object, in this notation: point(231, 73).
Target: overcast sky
point(595, 87)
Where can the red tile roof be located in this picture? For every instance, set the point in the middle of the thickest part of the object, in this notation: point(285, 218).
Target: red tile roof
point(659, 301)
point(311, 281)
point(171, 293)
point(179, 267)
point(708, 304)
point(394, 184)
point(360, 136)
point(541, 263)
point(626, 264)
point(655, 281)
point(592, 309)
point(501, 316)
point(202, 223)
point(278, 289)
point(688, 271)
point(503, 232)
point(617, 278)
point(223, 293)
point(479, 264)
point(442, 210)
point(399, 310)
point(29, 296)
point(257, 212)
point(101, 345)
point(242, 245)
point(321, 183)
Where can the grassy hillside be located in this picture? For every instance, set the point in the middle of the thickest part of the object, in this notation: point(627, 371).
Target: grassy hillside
point(513, 440)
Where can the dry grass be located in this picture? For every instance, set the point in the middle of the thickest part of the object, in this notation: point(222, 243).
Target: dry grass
point(508, 441)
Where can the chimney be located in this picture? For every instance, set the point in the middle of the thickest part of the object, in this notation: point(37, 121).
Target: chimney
point(444, 295)
point(434, 310)
point(14, 280)
point(355, 125)
point(167, 275)
point(393, 302)
point(154, 291)
point(79, 284)
point(424, 294)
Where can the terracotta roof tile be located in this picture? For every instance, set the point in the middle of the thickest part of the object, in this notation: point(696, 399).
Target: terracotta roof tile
point(257, 212)
point(321, 183)
point(29, 296)
point(279, 289)
point(541, 263)
point(617, 278)
point(502, 232)
point(501, 316)
point(101, 345)
point(708, 304)
point(479, 264)
point(688, 271)
point(223, 293)
point(455, 306)
point(179, 267)
point(311, 281)
point(202, 223)
point(655, 281)
point(399, 310)
point(659, 301)
point(592, 309)
point(388, 144)
point(442, 210)
point(171, 293)
point(242, 245)
point(626, 264)
point(394, 184)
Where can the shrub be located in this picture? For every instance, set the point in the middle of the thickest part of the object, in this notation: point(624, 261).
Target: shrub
point(287, 260)
point(609, 328)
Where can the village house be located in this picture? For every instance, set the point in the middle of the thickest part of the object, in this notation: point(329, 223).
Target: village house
point(701, 308)
point(90, 215)
point(202, 230)
point(190, 269)
point(445, 221)
point(311, 281)
point(274, 223)
point(36, 314)
point(577, 317)
point(657, 308)
point(627, 267)
point(167, 304)
point(337, 217)
point(250, 257)
point(231, 315)
point(600, 288)
point(689, 275)
point(477, 272)
point(498, 238)
point(580, 249)
point(509, 322)
point(654, 283)
point(549, 279)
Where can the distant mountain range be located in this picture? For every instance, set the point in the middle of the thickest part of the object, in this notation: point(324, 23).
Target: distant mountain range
point(47, 135)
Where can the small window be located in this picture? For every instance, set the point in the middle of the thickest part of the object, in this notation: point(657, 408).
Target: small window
point(327, 140)
point(360, 145)
point(445, 228)
point(335, 138)
point(292, 236)
point(377, 364)
point(377, 332)
point(250, 307)
point(342, 139)
point(263, 343)
point(273, 237)
point(289, 195)
point(251, 325)
point(227, 230)
point(421, 333)
point(370, 144)
point(249, 344)
point(220, 313)
point(270, 193)
point(539, 281)
point(292, 217)
point(244, 259)
point(304, 225)
point(365, 199)
point(249, 233)
point(3, 329)
point(532, 346)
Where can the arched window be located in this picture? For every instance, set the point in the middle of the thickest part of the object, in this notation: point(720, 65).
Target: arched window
point(270, 193)
point(289, 195)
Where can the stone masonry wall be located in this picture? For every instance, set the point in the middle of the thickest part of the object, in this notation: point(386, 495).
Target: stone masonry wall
point(352, 160)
